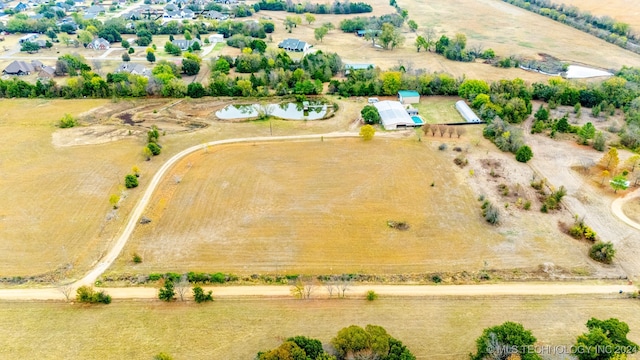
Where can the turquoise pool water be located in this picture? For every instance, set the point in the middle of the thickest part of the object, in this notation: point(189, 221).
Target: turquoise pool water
point(417, 120)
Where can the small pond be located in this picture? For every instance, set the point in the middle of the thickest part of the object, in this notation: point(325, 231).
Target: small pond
point(315, 110)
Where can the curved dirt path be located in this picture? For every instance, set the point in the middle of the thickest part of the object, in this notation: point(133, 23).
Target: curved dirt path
point(616, 208)
point(114, 252)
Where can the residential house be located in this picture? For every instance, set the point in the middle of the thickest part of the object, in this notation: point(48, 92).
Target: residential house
point(294, 45)
point(216, 38)
point(47, 72)
point(187, 14)
point(227, 1)
point(42, 43)
point(95, 9)
point(214, 15)
point(185, 44)
point(20, 7)
point(408, 97)
point(18, 67)
point(28, 37)
point(136, 69)
point(99, 44)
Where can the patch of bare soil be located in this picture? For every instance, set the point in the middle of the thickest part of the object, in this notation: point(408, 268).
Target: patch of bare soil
point(91, 135)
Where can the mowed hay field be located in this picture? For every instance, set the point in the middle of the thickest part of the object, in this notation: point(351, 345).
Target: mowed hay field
point(54, 201)
point(322, 207)
point(621, 10)
point(433, 328)
point(494, 24)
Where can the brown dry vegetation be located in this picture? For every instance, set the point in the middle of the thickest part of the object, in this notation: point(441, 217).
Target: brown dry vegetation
point(433, 328)
point(632, 209)
point(323, 207)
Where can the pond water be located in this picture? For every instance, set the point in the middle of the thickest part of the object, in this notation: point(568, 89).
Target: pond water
point(582, 72)
point(289, 111)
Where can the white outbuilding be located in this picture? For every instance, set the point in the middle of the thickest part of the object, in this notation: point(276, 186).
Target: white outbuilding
point(394, 116)
point(466, 112)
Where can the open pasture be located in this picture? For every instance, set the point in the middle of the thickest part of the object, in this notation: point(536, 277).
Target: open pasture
point(620, 10)
point(490, 23)
point(433, 328)
point(323, 207)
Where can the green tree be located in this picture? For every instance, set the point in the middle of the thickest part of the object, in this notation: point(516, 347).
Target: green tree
point(310, 18)
point(287, 350)
point(196, 46)
point(172, 49)
point(469, 89)
point(606, 339)
point(86, 294)
point(421, 43)
point(391, 82)
point(509, 336)
point(367, 132)
point(130, 181)
point(524, 154)
point(167, 292)
point(163, 356)
point(125, 44)
point(292, 21)
point(114, 199)
point(412, 25)
point(131, 51)
point(190, 67)
point(619, 183)
point(155, 149)
point(151, 57)
point(30, 47)
point(320, 33)
point(599, 141)
point(586, 132)
point(390, 36)
point(312, 347)
point(222, 65)
point(602, 252)
point(542, 114)
point(351, 340)
point(632, 162)
point(126, 57)
point(200, 296)
point(370, 114)
point(187, 35)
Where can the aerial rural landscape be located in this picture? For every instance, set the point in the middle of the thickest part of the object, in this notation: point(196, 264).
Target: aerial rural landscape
point(384, 179)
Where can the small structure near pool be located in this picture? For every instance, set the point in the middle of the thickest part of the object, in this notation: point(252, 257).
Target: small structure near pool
point(394, 116)
point(466, 112)
point(408, 97)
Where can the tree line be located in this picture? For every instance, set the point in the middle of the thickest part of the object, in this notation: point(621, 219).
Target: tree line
point(337, 7)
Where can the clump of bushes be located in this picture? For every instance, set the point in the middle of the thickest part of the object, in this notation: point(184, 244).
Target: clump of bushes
point(86, 294)
point(200, 296)
point(580, 230)
point(371, 295)
point(68, 121)
point(552, 202)
point(602, 252)
point(490, 213)
point(461, 161)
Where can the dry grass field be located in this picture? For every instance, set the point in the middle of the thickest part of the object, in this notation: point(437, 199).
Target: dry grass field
point(433, 328)
point(620, 10)
point(53, 201)
point(491, 23)
point(323, 207)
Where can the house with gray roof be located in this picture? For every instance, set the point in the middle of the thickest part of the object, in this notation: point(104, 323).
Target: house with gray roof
point(186, 44)
point(130, 68)
point(99, 44)
point(294, 45)
point(19, 67)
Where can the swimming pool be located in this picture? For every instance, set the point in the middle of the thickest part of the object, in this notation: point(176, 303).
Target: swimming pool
point(417, 120)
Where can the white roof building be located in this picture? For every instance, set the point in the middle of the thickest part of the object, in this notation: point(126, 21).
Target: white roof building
point(466, 112)
point(393, 115)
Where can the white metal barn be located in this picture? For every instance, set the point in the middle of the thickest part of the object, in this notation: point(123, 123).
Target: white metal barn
point(393, 115)
point(466, 112)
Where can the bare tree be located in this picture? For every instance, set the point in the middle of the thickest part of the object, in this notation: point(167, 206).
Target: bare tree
point(66, 290)
point(426, 128)
point(177, 178)
point(451, 130)
point(330, 285)
point(182, 286)
point(297, 290)
point(430, 36)
point(309, 287)
point(460, 130)
point(434, 129)
point(344, 285)
point(442, 129)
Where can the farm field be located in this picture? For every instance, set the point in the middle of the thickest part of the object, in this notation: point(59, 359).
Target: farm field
point(491, 23)
point(620, 10)
point(322, 207)
point(433, 328)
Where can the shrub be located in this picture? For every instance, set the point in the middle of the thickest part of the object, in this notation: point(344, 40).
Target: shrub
point(155, 148)
point(602, 252)
point(155, 277)
point(200, 296)
point(68, 121)
point(490, 213)
point(524, 154)
point(218, 278)
point(136, 258)
point(163, 356)
point(371, 295)
point(130, 181)
point(114, 199)
point(442, 147)
point(167, 292)
point(86, 294)
point(436, 279)
point(527, 205)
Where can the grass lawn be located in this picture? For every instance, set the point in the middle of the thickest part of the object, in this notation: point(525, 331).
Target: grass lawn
point(322, 207)
point(432, 328)
point(438, 109)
